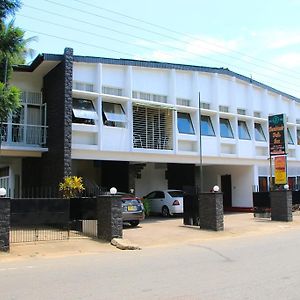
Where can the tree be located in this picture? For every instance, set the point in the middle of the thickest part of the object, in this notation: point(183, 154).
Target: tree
point(8, 7)
point(12, 50)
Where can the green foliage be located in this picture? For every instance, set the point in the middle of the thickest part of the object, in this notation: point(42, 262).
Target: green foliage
point(8, 7)
point(9, 101)
point(147, 206)
point(71, 187)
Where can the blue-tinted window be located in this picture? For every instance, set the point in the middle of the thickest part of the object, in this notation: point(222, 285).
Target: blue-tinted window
point(206, 126)
point(259, 133)
point(243, 131)
point(225, 128)
point(184, 123)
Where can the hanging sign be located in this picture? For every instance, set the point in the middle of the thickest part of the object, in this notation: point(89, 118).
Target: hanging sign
point(277, 134)
point(280, 170)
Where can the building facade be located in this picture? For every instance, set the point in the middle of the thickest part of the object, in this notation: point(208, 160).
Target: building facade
point(136, 125)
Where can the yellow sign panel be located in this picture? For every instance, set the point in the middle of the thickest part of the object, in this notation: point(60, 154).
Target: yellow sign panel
point(280, 170)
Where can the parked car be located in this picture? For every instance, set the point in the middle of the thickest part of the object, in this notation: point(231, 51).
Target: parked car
point(133, 209)
point(167, 202)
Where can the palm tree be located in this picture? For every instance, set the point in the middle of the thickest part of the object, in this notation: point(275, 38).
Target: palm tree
point(12, 48)
point(8, 7)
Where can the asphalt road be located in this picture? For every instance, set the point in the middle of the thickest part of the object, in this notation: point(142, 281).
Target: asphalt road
point(252, 267)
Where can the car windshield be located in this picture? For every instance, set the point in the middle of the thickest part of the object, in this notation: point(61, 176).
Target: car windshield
point(176, 193)
point(130, 201)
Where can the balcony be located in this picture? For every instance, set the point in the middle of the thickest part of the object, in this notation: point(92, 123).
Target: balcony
point(13, 134)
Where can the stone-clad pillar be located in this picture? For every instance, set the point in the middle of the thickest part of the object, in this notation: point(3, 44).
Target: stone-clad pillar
point(281, 206)
point(4, 223)
point(211, 211)
point(109, 216)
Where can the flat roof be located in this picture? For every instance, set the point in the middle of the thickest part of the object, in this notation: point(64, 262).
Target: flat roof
point(148, 64)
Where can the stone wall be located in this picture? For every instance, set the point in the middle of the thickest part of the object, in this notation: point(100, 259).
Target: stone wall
point(4, 223)
point(281, 206)
point(211, 211)
point(109, 214)
point(57, 93)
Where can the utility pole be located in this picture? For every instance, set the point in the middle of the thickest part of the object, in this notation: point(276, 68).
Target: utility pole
point(200, 147)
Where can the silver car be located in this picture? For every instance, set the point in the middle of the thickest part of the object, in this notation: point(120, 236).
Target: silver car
point(133, 209)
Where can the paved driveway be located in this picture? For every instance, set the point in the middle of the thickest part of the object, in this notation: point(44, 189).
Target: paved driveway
point(155, 232)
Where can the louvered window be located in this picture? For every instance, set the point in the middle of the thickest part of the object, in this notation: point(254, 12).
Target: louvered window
point(149, 96)
point(83, 86)
point(223, 108)
point(205, 105)
point(112, 91)
point(183, 102)
point(152, 128)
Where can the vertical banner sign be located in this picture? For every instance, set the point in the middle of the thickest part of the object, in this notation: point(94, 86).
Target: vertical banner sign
point(280, 170)
point(277, 135)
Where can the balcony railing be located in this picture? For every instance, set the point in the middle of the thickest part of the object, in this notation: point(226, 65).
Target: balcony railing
point(23, 135)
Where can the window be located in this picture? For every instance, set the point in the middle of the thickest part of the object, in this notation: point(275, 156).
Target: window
point(113, 114)
point(206, 126)
point(290, 139)
point(225, 128)
point(84, 111)
point(298, 136)
point(243, 131)
point(259, 133)
point(184, 123)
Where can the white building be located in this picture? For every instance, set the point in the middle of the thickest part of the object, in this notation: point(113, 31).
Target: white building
point(135, 125)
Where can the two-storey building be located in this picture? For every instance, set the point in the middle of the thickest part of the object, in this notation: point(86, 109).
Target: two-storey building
point(136, 124)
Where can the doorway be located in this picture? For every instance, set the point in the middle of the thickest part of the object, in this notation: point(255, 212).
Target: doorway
point(226, 190)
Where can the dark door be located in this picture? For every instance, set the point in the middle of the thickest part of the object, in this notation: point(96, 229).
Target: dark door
point(226, 190)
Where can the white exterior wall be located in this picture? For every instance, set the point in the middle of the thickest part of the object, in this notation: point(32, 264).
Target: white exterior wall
point(244, 160)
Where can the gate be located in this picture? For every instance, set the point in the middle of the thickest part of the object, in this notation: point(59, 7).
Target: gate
point(39, 219)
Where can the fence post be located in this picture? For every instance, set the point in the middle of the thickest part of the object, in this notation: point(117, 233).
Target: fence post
point(211, 211)
point(281, 206)
point(109, 216)
point(4, 223)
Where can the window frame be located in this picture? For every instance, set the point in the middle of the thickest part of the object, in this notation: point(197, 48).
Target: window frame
point(187, 118)
point(243, 130)
point(290, 138)
point(228, 127)
point(260, 131)
point(110, 119)
point(82, 115)
point(209, 125)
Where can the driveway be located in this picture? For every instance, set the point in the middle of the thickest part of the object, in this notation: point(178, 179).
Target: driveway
point(157, 231)
point(154, 232)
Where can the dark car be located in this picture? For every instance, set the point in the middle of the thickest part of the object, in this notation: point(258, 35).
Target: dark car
point(133, 209)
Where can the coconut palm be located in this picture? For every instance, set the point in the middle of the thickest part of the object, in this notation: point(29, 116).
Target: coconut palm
point(8, 7)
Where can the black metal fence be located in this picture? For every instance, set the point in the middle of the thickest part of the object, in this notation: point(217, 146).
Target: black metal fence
point(39, 219)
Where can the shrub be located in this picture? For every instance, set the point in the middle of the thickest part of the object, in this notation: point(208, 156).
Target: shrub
point(71, 187)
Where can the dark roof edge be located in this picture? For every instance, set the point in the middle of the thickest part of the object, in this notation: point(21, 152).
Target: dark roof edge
point(164, 65)
point(148, 64)
point(37, 61)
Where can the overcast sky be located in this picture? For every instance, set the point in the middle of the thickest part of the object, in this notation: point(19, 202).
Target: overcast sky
point(253, 38)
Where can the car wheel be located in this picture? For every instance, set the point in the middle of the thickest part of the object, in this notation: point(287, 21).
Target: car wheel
point(134, 223)
point(165, 211)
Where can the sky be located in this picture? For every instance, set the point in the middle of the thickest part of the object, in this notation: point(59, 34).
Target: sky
point(258, 39)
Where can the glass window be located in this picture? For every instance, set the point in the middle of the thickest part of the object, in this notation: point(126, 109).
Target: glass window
point(84, 111)
point(290, 139)
point(184, 123)
point(225, 128)
point(206, 126)
point(113, 114)
point(243, 131)
point(298, 136)
point(259, 133)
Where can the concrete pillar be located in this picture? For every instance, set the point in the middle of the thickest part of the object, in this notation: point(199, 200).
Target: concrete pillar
point(4, 223)
point(211, 211)
point(281, 206)
point(109, 216)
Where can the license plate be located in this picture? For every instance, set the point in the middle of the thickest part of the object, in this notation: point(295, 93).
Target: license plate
point(131, 208)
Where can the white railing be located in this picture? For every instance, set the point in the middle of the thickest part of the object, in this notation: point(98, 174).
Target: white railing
point(25, 135)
